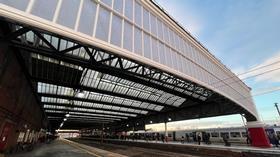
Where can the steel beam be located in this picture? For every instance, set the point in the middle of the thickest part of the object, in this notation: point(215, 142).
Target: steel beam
point(94, 101)
point(88, 107)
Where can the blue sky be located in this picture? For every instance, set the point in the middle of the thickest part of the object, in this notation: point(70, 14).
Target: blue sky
point(241, 33)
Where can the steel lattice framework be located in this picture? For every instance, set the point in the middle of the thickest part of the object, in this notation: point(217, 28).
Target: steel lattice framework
point(95, 86)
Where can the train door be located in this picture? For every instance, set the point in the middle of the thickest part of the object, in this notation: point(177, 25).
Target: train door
point(269, 132)
point(194, 136)
point(4, 135)
point(174, 136)
point(203, 134)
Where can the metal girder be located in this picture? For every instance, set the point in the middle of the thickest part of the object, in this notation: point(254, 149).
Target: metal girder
point(70, 49)
point(84, 115)
point(108, 63)
point(88, 107)
point(15, 34)
point(122, 73)
point(79, 111)
point(41, 37)
point(101, 92)
point(209, 109)
point(94, 101)
point(81, 120)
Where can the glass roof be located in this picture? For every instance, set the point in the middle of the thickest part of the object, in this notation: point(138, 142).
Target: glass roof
point(70, 88)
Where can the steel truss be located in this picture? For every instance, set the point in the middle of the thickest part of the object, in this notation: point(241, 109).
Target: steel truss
point(104, 62)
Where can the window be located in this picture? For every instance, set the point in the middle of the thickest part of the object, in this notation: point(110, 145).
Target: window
point(147, 46)
point(159, 26)
point(166, 34)
point(102, 29)
point(171, 34)
point(153, 21)
point(214, 134)
point(107, 2)
point(44, 9)
point(138, 14)
point(127, 42)
point(235, 134)
point(155, 50)
point(138, 41)
point(87, 17)
point(168, 56)
point(185, 66)
point(116, 31)
point(222, 134)
point(19, 4)
point(174, 59)
point(161, 53)
point(176, 41)
point(67, 17)
point(181, 49)
point(244, 134)
point(180, 62)
point(146, 20)
point(128, 11)
point(118, 6)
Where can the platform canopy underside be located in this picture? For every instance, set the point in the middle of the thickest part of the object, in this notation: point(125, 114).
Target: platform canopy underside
point(97, 87)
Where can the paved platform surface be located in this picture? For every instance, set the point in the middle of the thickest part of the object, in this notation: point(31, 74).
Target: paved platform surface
point(234, 146)
point(193, 149)
point(56, 148)
point(132, 151)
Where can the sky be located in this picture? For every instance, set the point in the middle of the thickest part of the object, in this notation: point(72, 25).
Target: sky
point(244, 35)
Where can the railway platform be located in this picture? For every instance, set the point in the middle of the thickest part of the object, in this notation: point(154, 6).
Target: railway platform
point(217, 150)
point(64, 148)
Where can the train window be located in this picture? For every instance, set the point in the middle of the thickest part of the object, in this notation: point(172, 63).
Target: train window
point(235, 134)
point(214, 134)
point(222, 134)
point(244, 134)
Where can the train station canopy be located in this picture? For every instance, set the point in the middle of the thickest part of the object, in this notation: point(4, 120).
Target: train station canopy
point(81, 85)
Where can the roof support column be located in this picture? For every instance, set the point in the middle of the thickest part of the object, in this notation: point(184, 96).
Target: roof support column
point(165, 131)
point(102, 132)
point(133, 133)
point(257, 134)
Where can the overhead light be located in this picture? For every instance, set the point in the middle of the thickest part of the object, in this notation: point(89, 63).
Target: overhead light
point(137, 123)
point(151, 122)
point(80, 94)
point(64, 119)
point(67, 115)
point(169, 119)
point(127, 125)
point(61, 124)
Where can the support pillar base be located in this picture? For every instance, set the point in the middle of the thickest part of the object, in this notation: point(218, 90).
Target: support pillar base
point(258, 135)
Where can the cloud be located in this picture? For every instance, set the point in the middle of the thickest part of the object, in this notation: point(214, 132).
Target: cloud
point(268, 70)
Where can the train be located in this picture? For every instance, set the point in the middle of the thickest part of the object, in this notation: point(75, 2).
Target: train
point(235, 134)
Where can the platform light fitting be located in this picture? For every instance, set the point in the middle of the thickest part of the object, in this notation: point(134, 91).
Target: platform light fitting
point(169, 119)
point(151, 122)
point(64, 119)
point(67, 115)
point(127, 125)
point(80, 94)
